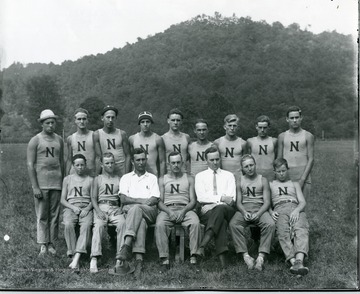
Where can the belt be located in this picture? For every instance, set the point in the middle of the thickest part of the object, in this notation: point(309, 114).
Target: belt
point(176, 204)
point(110, 202)
point(287, 201)
point(80, 204)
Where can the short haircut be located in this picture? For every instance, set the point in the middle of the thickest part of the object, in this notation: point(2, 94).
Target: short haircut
point(200, 120)
point(263, 118)
point(106, 155)
point(174, 153)
point(137, 151)
point(278, 162)
point(293, 108)
point(78, 156)
point(81, 110)
point(245, 157)
point(230, 118)
point(175, 111)
point(211, 149)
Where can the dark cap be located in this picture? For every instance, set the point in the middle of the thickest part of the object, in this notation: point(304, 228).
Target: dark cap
point(109, 107)
point(145, 114)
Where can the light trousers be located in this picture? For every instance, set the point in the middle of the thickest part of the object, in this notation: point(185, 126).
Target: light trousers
point(163, 230)
point(47, 211)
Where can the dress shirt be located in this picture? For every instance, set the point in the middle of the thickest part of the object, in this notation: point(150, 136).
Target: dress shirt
point(225, 185)
point(145, 186)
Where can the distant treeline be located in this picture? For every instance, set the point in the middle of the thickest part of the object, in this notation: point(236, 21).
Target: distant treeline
point(208, 67)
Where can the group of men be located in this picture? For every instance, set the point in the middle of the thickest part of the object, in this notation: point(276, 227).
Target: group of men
point(163, 180)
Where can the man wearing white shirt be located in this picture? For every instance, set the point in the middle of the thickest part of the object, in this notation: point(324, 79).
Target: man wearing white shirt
point(216, 190)
point(139, 193)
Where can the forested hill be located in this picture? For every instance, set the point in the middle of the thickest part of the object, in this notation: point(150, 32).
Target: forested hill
point(208, 67)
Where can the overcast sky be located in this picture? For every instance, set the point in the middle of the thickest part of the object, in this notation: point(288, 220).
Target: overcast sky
point(58, 30)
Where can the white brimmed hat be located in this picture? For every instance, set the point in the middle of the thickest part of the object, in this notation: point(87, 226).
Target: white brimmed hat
point(45, 114)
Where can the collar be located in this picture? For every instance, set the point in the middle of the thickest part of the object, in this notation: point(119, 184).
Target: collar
point(218, 171)
point(133, 173)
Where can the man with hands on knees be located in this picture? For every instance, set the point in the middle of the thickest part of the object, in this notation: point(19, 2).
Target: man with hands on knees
point(216, 190)
point(177, 201)
point(75, 197)
point(288, 204)
point(139, 193)
point(105, 200)
point(253, 202)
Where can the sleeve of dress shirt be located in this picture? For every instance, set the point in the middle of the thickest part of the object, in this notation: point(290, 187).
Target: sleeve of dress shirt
point(200, 188)
point(231, 187)
point(154, 189)
point(124, 186)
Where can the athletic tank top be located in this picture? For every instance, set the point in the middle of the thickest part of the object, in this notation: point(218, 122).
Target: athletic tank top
point(252, 190)
point(112, 143)
point(176, 190)
point(149, 145)
point(230, 153)
point(48, 170)
point(108, 187)
point(179, 144)
point(79, 189)
point(295, 152)
point(197, 155)
point(281, 191)
point(84, 144)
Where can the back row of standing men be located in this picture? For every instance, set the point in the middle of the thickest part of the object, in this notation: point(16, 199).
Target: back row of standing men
point(45, 155)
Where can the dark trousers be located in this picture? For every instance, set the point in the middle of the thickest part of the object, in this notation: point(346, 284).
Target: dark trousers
point(217, 220)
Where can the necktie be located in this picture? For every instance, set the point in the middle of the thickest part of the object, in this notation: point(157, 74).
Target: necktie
point(214, 183)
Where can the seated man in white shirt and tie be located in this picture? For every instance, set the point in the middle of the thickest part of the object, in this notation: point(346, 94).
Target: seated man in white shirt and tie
point(216, 192)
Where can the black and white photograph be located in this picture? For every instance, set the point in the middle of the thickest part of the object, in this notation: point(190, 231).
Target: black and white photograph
point(188, 145)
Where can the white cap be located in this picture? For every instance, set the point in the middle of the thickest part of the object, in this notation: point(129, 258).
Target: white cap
point(47, 113)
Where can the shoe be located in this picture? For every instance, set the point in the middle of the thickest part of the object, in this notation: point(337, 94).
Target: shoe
point(200, 252)
point(125, 252)
point(139, 265)
point(223, 260)
point(259, 264)
point(249, 261)
point(193, 260)
point(298, 268)
point(52, 249)
point(165, 265)
point(93, 266)
point(43, 250)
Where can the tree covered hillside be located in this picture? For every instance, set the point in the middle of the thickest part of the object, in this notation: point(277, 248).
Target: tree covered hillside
point(208, 67)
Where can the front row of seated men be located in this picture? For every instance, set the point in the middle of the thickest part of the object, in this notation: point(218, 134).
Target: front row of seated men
point(221, 201)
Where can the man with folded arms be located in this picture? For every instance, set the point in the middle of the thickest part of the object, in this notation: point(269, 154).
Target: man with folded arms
point(216, 190)
point(177, 201)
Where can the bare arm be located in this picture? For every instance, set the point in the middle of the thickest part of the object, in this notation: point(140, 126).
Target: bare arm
point(187, 160)
point(69, 156)
point(96, 140)
point(248, 145)
point(275, 147)
point(31, 161)
point(161, 154)
point(280, 146)
point(239, 205)
point(126, 148)
point(243, 147)
point(61, 159)
point(295, 214)
point(310, 148)
point(63, 200)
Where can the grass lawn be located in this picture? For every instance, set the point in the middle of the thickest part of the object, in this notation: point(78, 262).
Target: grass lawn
point(333, 257)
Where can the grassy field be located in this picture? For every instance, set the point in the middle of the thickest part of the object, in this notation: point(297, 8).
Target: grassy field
point(333, 258)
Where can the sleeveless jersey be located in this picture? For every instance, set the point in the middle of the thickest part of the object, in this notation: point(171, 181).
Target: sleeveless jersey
point(197, 155)
point(79, 189)
point(112, 143)
point(48, 169)
point(263, 152)
point(108, 187)
point(149, 145)
point(176, 190)
point(84, 144)
point(281, 191)
point(295, 152)
point(230, 153)
point(252, 190)
point(179, 144)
